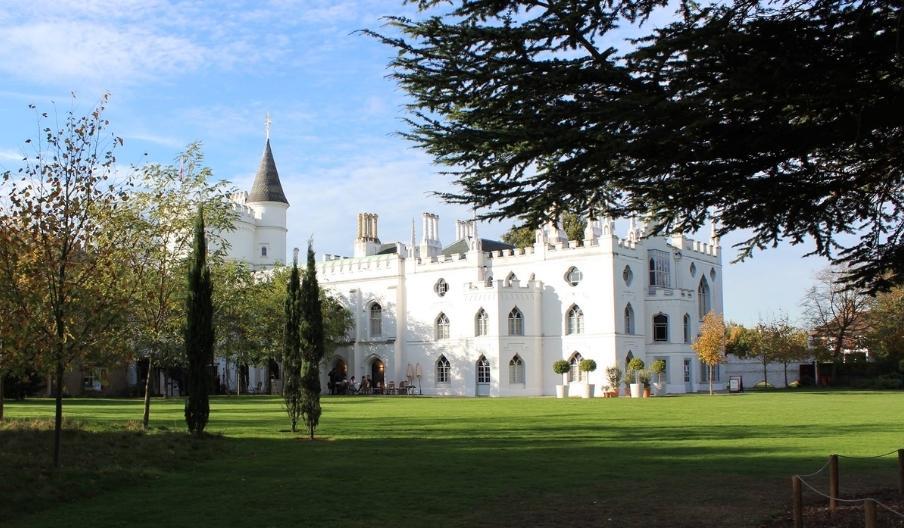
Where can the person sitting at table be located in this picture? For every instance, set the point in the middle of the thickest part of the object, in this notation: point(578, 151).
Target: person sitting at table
point(352, 386)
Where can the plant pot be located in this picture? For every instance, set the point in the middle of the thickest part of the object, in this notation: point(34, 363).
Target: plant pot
point(561, 391)
point(646, 392)
point(636, 390)
point(588, 390)
point(659, 389)
point(612, 393)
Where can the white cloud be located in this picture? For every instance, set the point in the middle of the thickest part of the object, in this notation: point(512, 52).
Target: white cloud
point(76, 51)
point(10, 155)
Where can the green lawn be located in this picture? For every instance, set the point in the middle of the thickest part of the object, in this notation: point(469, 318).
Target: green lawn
point(677, 461)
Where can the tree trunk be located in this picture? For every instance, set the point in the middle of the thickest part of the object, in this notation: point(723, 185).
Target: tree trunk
point(765, 373)
point(786, 375)
point(238, 379)
point(1, 395)
point(710, 380)
point(58, 419)
point(147, 395)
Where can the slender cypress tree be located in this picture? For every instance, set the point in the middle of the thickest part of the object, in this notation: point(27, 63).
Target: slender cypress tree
point(292, 347)
point(312, 347)
point(199, 336)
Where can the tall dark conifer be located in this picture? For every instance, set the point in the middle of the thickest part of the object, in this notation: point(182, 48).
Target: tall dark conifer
point(199, 335)
point(292, 347)
point(312, 347)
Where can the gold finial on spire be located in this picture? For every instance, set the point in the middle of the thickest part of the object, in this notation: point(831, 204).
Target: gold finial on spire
point(267, 123)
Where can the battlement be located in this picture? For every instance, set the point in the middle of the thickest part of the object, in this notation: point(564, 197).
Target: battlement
point(337, 265)
point(245, 212)
point(516, 286)
point(694, 246)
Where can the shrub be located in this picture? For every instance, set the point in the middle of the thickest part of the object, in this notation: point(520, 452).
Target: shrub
point(636, 364)
point(889, 381)
point(645, 376)
point(587, 365)
point(762, 384)
point(614, 376)
point(794, 384)
point(561, 367)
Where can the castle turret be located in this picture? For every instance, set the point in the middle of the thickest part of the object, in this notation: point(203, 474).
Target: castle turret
point(269, 203)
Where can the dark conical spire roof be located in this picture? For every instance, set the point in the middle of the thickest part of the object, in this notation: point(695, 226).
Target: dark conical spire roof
point(266, 186)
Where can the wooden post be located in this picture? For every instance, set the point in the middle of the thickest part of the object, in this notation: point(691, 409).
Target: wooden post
point(901, 471)
point(869, 512)
point(833, 482)
point(797, 510)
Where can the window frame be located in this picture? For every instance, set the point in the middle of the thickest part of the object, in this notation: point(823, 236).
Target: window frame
point(630, 320)
point(661, 325)
point(443, 370)
point(484, 371)
point(574, 320)
point(441, 287)
point(574, 373)
point(516, 370)
point(660, 269)
point(516, 322)
point(574, 276)
point(481, 323)
point(372, 310)
point(441, 327)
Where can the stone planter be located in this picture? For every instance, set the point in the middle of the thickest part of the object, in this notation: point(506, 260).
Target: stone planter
point(587, 390)
point(659, 389)
point(561, 391)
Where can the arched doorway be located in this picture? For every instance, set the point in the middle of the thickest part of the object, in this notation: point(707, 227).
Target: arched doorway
point(338, 377)
point(377, 370)
point(483, 376)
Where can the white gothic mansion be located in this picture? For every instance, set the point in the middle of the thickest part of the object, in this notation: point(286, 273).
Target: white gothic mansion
point(479, 317)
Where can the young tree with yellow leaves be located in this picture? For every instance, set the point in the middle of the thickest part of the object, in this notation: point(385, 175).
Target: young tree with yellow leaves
point(710, 344)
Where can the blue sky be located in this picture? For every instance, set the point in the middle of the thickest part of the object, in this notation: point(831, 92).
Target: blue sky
point(180, 71)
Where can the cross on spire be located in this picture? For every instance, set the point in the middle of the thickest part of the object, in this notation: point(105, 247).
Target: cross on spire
point(267, 123)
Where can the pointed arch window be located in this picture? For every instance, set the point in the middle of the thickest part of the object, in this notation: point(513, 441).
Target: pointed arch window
point(443, 370)
point(574, 323)
point(442, 327)
point(661, 327)
point(628, 359)
point(687, 328)
point(516, 370)
point(516, 322)
point(483, 370)
point(629, 319)
point(481, 323)
point(575, 373)
point(376, 320)
point(704, 299)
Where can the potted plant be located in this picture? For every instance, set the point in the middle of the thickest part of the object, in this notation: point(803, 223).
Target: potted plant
point(645, 376)
point(635, 366)
point(658, 368)
point(562, 367)
point(614, 377)
point(587, 366)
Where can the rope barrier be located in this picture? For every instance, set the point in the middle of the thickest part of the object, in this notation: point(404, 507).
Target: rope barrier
point(818, 471)
point(851, 501)
point(874, 456)
point(899, 514)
